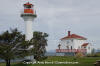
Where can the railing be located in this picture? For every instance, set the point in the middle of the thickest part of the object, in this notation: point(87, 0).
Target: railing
point(70, 50)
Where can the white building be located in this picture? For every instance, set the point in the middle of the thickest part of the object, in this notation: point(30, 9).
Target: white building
point(72, 44)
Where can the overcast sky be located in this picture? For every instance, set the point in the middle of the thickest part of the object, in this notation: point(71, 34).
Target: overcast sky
point(55, 17)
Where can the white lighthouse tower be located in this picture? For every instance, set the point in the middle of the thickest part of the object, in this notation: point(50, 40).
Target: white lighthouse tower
point(28, 15)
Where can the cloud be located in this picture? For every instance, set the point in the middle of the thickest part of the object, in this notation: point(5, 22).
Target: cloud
point(55, 17)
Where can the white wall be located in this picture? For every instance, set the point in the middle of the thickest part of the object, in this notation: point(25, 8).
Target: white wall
point(65, 43)
point(89, 49)
point(78, 43)
point(75, 43)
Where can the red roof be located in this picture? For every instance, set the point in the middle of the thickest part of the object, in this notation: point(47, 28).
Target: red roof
point(85, 44)
point(74, 36)
point(28, 4)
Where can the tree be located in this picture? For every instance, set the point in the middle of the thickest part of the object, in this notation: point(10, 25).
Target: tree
point(39, 41)
point(12, 45)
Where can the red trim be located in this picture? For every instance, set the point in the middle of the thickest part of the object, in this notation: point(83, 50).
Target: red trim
point(70, 50)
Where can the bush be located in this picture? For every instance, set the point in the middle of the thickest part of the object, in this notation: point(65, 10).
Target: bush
point(79, 55)
point(40, 58)
point(94, 55)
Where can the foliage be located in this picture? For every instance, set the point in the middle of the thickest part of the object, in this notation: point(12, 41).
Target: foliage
point(94, 55)
point(79, 55)
point(39, 42)
point(12, 45)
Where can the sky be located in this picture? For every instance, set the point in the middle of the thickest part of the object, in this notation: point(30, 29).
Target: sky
point(55, 17)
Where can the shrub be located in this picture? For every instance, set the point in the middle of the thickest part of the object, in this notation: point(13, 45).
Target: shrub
point(79, 55)
point(94, 55)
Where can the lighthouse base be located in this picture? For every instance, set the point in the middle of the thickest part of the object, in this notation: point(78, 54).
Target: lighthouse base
point(30, 58)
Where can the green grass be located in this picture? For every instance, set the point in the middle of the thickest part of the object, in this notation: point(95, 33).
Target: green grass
point(85, 61)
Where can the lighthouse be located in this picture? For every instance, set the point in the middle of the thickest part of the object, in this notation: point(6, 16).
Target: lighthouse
point(28, 15)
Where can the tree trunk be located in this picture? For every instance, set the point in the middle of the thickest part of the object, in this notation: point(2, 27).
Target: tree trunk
point(8, 62)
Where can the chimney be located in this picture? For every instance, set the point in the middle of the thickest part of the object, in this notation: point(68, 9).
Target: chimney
point(68, 33)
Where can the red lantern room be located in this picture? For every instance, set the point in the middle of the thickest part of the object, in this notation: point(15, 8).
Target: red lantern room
point(28, 8)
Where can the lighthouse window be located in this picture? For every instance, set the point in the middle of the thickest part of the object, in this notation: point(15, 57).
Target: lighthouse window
point(28, 6)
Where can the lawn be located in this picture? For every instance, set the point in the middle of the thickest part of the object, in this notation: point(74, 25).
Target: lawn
point(85, 61)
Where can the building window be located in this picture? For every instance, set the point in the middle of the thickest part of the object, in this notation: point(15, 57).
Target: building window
point(78, 47)
point(72, 40)
point(71, 48)
point(67, 42)
point(88, 47)
point(81, 47)
point(67, 47)
point(84, 47)
point(59, 46)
